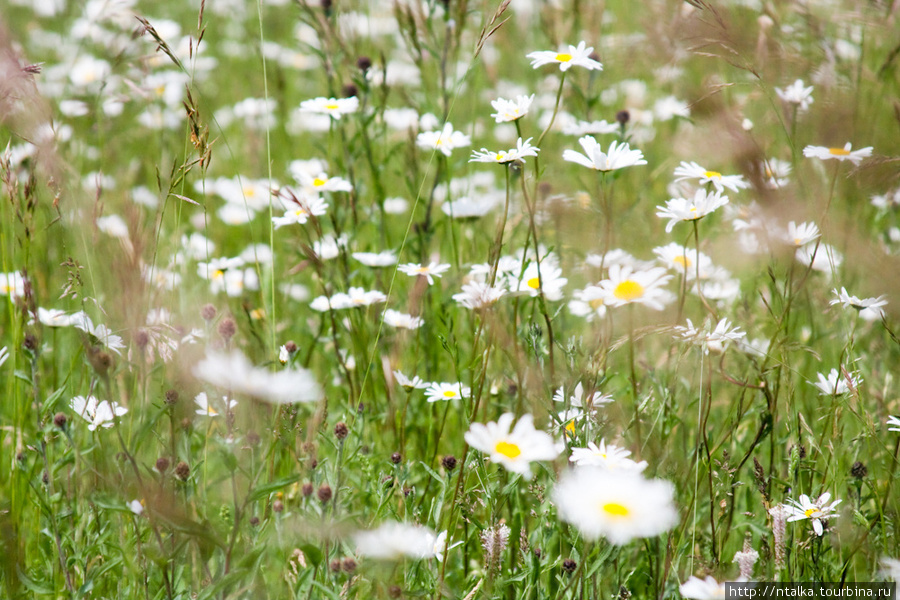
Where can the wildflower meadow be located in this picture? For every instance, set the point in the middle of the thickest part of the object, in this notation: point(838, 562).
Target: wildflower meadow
point(447, 299)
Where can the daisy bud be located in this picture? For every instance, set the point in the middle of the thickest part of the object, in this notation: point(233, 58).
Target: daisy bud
point(278, 506)
point(141, 339)
point(335, 565)
point(326, 7)
point(349, 91)
point(227, 329)
point(182, 471)
point(396, 458)
point(171, 397)
point(348, 565)
point(569, 565)
point(306, 489)
point(253, 438)
point(162, 464)
point(623, 117)
point(254, 521)
point(208, 312)
point(341, 431)
point(324, 494)
point(395, 591)
point(363, 63)
point(59, 419)
point(30, 342)
point(291, 347)
point(449, 462)
point(859, 470)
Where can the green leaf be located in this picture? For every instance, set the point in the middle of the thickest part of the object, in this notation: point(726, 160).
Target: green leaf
point(313, 554)
point(273, 486)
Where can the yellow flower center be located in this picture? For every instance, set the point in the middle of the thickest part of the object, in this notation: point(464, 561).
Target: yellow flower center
point(798, 242)
point(570, 427)
point(809, 512)
point(563, 57)
point(318, 182)
point(449, 394)
point(249, 191)
point(507, 449)
point(711, 174)
point(628, 290)
point(160, 90)
point(331, 106)
point(499, 156)
point(422, 270)
point(596, 303)
point(534, 283)
point(684, 261)
point(211, 411)
point(838, 152)
point(300, 212)
point(616, 510)
point(218, 274)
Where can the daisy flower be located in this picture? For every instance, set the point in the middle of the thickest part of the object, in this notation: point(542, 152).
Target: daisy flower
point(429, 271)
point(618, 157)
point(477, 295)
point(691, 170)
point(442, 392)
point(823, 153)
point(682, 209)
point(796, 94)
point(314, 184)
point(511, 110)
point(776, 172)
point(233, 371)
point(469, 208)
point(574, 56)
point(802, 234)
point(625, 286)
point(549, 280)
point(376, 259)
point(304, 209)
point(836, 383)
point(817, 511)
point(206, 409)
point(12, 284)
point(702, 589)
point(588, 303)
point(573, 126)
point(393, 541)
point(513, 448)
point(445, 140)
point(401, 320)
point(683, 260)
point(869, 308)
point(607, 457)
point(714, 340)
point(415, 383)
point(98, 413)
point(617, 505)
point(356, 297)
point(333, 107)
point(894, 423)
point(505, 157)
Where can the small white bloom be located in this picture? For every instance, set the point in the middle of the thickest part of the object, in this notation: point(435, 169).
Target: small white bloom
point(573, 56)
point(442, 392)
point(333, 107)
point(619, 156)
point(510, 110)
point(691, 170)
point(513, 448)
point(429, 271)
point(796, 94)
point(836, 383)
point(445, 140)
point(842, 154)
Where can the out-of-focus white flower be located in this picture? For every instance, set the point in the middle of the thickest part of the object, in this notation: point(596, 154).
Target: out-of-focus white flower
point(233, 371)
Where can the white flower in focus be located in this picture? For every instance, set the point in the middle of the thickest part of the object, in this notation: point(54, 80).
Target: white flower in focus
point(796, 94)
point(607, 457)
point(443, 392)
point(430, 271)
point(315, 184)
point(233, 371)
point(617, 505)
point(445, 140)
point(626, 286)
point(510, 110)
point(548, 279)
point(715, 340)
point(333, 107)
point(518, 154)
point(678, 210)
point(98, 413)
point(841, 154)
point(868, 308)
point(206, 409)
point(817, 511)
point(394, 541)
point(574, 56)
point(836, 383)
point(513, 448)
point(619, 156)
point(802, 234)
point(691, 170)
